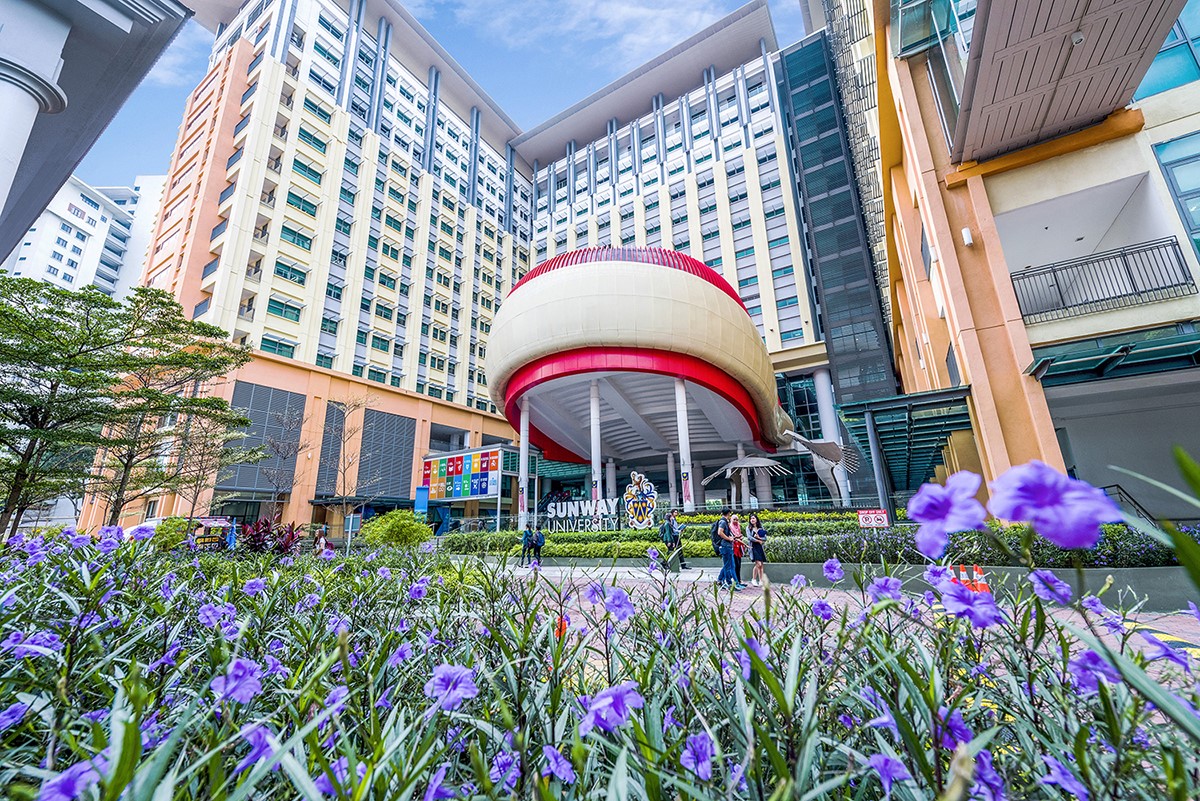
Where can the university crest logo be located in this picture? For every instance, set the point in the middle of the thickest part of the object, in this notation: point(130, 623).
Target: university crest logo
point(640, 500)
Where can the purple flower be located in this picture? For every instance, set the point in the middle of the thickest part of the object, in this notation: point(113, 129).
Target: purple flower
point(276, 668)
point(833, 570)
point(240, 682)
point(936, 574)
point(610, 709)
point(884, 719)
point(142, 532)
point(341, 772)
point(954, 729)
point(74, 781)
point(210, 615)
point(12, 716)
point(890, 770)
point(669, 719)
point(167, 659)
point(944, 510)
point(419, 590)
point(450, 686)
point(1059, 775)
point(254, 586)
point(1066, 511)
point(977, 607)
point(80, 540)
point(1088, 668)
point(40, 643)
point(823, 610)
point(557, 765)
point(884, 588)
point(386, 574)
point(1160, 650)
point(799, 582)
point(336, 700)
point(743, 656)
point(505, 770)
point(401, 654)
point(617, 602)
point(437, 788)
point(1195, 609)
point(988, 784)
point(594, 594)
point(697, 755)
point(1050, 587)
point(259, 738)
point(328, 555)
point(308, 602)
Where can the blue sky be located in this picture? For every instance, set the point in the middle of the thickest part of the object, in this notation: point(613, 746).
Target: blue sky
point(535, 58)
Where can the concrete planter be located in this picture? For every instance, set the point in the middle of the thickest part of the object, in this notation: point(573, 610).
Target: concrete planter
point(1165, 589)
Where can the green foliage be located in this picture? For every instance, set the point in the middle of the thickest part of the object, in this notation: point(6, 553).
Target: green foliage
point(171, 533)
point(396, 528)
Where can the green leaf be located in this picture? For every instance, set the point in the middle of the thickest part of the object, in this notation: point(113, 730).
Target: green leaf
point(1187, 550)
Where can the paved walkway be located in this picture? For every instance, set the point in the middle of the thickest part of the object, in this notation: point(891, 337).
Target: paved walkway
point(1178, 630)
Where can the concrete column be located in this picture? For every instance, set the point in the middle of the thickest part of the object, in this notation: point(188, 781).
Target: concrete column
point(762, 488)
point(523, 469)
point(672, 489)
point(595, 440)
point(685, 446)
point(882, 482)
point(31, 43)
point(744, 489)
point(830, 430)
point(610, 479)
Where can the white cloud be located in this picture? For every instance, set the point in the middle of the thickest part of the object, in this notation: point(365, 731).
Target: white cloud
point(629, 31)
point(185, 61)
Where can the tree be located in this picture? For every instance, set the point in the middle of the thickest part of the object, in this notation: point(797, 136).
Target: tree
point(281, 448)
point(351, 489)
point(79, 369)
point(203, 451)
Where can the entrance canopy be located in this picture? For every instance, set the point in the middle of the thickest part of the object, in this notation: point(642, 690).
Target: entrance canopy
point(633, 354)
point(909, 432)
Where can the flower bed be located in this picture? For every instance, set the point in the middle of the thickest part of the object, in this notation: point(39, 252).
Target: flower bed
point(129, 672)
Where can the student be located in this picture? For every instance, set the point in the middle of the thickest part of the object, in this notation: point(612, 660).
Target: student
point(672, 536)
point(526, 543)
point(739, 550)
point(539, 539)
point(320, 544)
point(724, 541)
point(758, 555)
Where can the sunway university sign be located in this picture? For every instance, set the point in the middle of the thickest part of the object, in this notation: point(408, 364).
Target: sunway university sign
point(604, 514)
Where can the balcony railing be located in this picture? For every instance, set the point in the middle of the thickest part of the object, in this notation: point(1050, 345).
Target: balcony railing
point(1128, 276)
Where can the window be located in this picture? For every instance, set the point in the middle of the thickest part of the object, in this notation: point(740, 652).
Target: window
point(307, 170)
point(317, 109)
point(379, 343)
point(1178, 61)
point(361, 337)
point(311, 139)
point(1180, 160)
point(329, 325)
point(56, 256)
point(295, 237)
point(357, 371)
point(327, 25)
point(376, 375)
point(278, 347)
point(333, 291)
point(62, 243)
point(303, 204)
point(281, 308)
point(325, 361)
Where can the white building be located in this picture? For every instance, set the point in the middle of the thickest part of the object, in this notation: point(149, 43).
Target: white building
point(90, 236)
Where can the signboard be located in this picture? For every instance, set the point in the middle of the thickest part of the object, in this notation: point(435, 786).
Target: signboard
point(462, 477)
point(421, 503)
point(872, 518)
point(214, 522)
point(640, 499)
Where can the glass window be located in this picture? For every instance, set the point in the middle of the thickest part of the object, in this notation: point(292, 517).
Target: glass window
point(1180, 159)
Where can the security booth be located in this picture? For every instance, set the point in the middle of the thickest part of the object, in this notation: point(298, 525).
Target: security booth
point(477, 488)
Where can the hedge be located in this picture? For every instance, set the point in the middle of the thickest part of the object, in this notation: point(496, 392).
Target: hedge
point(817, 541)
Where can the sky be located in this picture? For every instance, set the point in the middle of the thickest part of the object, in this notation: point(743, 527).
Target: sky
point(534, 57)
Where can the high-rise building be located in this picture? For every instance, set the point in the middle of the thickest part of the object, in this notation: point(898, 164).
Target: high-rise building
point(90, 236)
point(347, 201)
point(1039, 188)
point(67, 67)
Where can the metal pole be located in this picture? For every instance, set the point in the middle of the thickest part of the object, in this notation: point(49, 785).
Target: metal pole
point(523, 470)
point(744, 492)
point(499, 491)
point(879, 466)
point(595, 441)
point(685, 446)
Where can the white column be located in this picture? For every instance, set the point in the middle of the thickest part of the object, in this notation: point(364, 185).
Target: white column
point(762, 488)
point(595, 441)
point(31, 43)
point(830, 430)
point(672, 489)
point(523, 470)
point(744, 490)
point(689, 480)
point(610, 478)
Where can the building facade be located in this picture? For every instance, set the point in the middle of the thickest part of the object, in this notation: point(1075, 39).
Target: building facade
point(90, 236)
point(1042, 253)
point(344, 197)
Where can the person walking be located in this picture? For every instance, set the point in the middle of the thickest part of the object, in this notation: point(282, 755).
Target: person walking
point(539, 539)
point(758, 554)
point(526, 543)
point(671, 533)
point(739, 549)
point(723, 539)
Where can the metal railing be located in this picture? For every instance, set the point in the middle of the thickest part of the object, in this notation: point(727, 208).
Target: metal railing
point(1127, 503)
point(1129, 276)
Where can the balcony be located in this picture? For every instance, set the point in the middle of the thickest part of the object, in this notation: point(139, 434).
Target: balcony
point(275, 165)
point(1127, 276)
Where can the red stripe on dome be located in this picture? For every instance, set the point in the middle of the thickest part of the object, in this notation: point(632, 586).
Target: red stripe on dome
point(664, 258)
point(628, 360)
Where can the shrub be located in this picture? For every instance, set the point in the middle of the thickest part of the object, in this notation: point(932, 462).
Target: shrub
point(171, 532)
point(270, 536)
point(397, 528)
